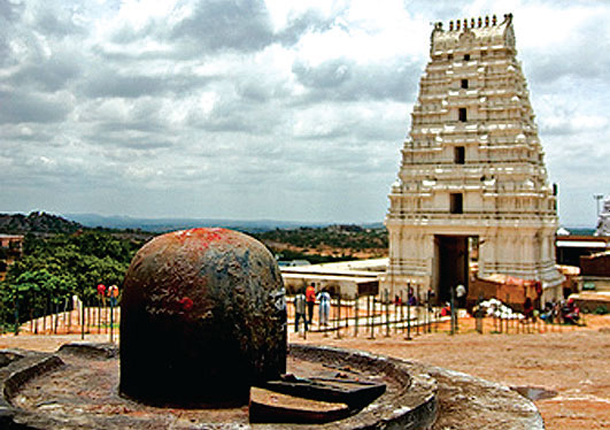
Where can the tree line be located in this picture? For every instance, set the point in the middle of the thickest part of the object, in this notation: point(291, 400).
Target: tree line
point(343, 237)
point(53, 269)
point(55, 265)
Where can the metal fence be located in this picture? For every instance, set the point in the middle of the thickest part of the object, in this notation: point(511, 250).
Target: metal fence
point(66, 315)
point(373, 317)
point(369, 316)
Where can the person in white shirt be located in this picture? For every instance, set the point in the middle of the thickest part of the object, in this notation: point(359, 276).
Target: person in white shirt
point(300, 307)
point(324, 306)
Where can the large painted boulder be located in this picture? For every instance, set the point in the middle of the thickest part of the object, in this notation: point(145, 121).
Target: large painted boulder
point(203, 317)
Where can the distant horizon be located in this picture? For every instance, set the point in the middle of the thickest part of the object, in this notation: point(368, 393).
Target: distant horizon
point(160, 219)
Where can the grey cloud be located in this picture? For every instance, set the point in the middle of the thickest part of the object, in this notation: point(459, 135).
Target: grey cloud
point(57, 21)
point(22, 106)
point(117, 85)
point(10, 10)
point(345, 80)
point(220, 25)
point(5, 52)
point(257, 89)
point(8, 14)
point(241, 25)
point(547, 68)
point(111, 83)
point(563, 129)
point(578, 58)
point(441, 10)
point(48, 75)
point(238, 115)
point(143, 143)
point(146, 125)
point(11, 134)
point(253, 91)
point(329, 74)
point(310, 21)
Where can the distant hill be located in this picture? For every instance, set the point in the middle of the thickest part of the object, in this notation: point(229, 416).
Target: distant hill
point(170, 224)
point(36, 222)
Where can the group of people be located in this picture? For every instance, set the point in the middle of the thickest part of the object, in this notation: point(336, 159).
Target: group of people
point(304, 304)
point(112, 292)
point(563, 311)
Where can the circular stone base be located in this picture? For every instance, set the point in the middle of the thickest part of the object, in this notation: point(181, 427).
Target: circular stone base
point(76, 388)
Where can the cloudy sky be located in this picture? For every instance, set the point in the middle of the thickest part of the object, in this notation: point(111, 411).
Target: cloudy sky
point(265, 109)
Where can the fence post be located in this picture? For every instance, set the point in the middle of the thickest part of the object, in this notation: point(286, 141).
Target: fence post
point(507, 319)
point(408, 317)
point(69, 323)
point(338, 316)
point(56, 317)
point(453, 313)
point(44, 315)
point(82, 319)
point(402, 312)
point(111, 321)
point(15, 302)
point(387, 313)
point(396, 313)
point(347, 308)
point(356, 316)
point(370, 303)
point(417, 303)
point(306, 325)
point(31, 318)
point(479, 315)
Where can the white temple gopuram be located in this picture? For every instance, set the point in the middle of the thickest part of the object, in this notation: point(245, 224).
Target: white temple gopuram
point(472, 181)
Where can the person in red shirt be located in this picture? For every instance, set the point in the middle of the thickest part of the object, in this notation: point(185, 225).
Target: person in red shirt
point(101, 294)
point(310, 297)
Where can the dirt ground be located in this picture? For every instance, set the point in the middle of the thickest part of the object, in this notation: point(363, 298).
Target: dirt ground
point(573, 364)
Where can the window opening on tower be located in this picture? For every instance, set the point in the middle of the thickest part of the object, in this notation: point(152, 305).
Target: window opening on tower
point(456, 205)
point(459, 155)
point(463, 117)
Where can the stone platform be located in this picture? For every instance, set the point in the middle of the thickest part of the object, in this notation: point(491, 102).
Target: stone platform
point(76, 388)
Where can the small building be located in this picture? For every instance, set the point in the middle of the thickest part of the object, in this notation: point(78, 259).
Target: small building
point(595, 272)
point(11, 248)
point(13, 242)
point(570, 248)
point(347, 278)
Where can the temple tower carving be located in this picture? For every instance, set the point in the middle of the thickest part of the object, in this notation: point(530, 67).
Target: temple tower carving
point(472, 180)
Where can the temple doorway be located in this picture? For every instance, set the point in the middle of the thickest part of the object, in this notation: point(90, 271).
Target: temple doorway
point(453, 255)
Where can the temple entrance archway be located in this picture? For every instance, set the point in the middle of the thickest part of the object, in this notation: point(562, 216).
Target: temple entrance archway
point(452, 266)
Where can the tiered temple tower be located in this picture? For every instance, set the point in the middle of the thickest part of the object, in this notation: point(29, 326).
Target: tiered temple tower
point(472, 178)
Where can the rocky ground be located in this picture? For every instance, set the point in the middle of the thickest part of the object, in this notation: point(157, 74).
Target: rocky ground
point(568, 368)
